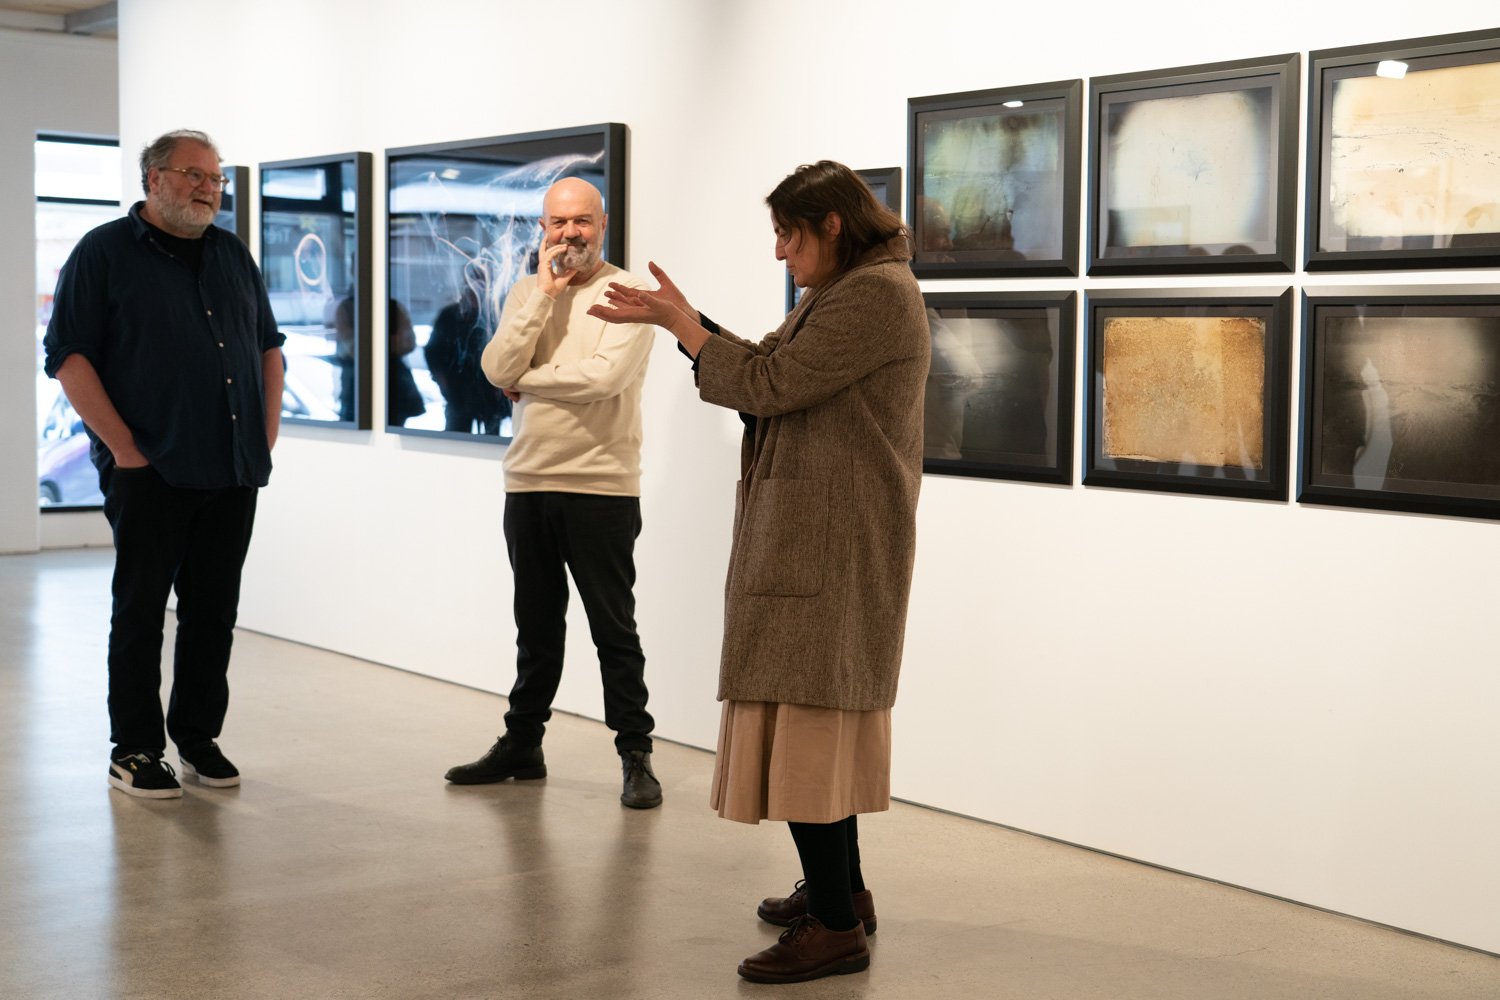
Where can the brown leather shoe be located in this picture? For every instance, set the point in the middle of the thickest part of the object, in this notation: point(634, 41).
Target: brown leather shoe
point(783, 910)
point(808, 950)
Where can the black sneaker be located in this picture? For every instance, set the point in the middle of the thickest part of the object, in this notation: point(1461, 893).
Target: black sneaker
point(640, 788)
point(501, 761)
point(207, 763)
point(144, 775)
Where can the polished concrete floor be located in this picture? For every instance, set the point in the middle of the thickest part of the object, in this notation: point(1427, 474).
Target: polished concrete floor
point(344, 867)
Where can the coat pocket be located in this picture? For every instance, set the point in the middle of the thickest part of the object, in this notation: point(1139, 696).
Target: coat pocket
point(783, 537)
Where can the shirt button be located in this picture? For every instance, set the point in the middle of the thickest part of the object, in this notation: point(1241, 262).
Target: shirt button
point(210, 312)
point(234, 416)
point(221, 343)
point(229, 381)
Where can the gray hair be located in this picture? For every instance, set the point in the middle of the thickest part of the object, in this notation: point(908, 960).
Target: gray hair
point(160, 150)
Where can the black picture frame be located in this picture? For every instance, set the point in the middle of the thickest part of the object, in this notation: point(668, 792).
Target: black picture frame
point(234, 204)
point(1193, 170)
point(1400, 399)
point(972, 216)
point(1175, 386)
point(316, 221)
point(999, 400)
point(463, 225)
point(1423, 145)
point(885, 184)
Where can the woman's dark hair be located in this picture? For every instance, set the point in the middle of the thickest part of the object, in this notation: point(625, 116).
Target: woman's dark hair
point(803, 200)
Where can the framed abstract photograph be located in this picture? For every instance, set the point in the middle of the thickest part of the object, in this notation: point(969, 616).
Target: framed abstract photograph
point(464, 224)
point(1401, 399)
point(885, 184)
point(1404, 154)
point(234, 204)
point(999, 401)
point(994, 181)
point(1193, 170)
point(315, 225)
point(1187, 391)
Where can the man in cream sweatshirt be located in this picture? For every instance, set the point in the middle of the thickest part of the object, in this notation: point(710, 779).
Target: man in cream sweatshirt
point(572, 482)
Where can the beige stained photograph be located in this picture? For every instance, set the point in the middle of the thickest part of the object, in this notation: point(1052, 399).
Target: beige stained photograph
point(1417, 156)
point(1185, 389)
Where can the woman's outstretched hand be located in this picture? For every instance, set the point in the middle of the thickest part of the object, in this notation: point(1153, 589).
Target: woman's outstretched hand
point(642, 305)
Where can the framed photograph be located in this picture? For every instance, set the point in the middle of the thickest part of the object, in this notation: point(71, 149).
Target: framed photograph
point(999, 401)
point(885, 184)
point(994, 181)
point(1188, 391)
point(315, 224)
point(1192, 170)
point(465, 223)
point(234, 204)
point(1401, 399)
point(1404, 154)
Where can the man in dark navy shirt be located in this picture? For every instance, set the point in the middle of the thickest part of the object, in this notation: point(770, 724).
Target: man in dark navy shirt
point(163, 339)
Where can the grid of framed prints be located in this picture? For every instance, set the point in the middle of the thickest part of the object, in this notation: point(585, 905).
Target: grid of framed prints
point(315, 255)
point(1193, 171)
point(463, 225)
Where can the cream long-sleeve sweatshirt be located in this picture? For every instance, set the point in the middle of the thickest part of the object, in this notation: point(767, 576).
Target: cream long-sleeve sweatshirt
point(577, 425)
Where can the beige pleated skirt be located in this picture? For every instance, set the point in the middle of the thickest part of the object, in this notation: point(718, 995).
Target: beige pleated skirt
point(800, 763)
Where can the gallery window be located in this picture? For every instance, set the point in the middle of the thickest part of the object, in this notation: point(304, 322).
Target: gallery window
point(77, 188)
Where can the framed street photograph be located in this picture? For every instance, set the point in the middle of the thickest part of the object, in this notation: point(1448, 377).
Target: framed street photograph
point(999, 400)
point(1404, 154)
point(1193, 170)
point(464, 224)
point(1188, 390)
point(994, 181)
point(885, 184)
point(1401, 399)
point(315, 225)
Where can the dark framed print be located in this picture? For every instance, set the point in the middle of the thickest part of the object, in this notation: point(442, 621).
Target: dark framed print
point(1404, 154)
point(1401, 399)
point(315, 225)
point(1193, 170)
point(999, 401)
point(234, 204)
point(1188, 390)
point(994, 181)
point(885, 185)
point(464, 225)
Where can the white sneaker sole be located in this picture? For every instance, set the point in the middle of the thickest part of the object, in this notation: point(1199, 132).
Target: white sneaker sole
point(144, 793)
point(189, 771)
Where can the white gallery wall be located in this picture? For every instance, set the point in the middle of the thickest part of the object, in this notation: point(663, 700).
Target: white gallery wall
point(48, 83)
point(1296, 699)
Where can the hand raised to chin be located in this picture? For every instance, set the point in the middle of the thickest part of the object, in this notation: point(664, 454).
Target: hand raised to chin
point(552, 285)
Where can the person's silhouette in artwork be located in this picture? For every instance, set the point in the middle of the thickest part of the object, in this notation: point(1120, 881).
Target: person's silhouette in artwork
point(458, 337)
point(403, 399)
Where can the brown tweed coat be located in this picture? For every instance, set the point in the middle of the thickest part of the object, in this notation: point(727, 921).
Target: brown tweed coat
point(825, 511)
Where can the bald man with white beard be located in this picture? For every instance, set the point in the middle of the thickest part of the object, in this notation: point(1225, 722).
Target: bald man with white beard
point(572, 482)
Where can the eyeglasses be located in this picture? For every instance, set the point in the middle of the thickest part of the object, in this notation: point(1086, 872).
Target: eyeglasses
point(196, 177)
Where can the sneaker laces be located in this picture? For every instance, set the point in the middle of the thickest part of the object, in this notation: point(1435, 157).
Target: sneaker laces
point(150, 759)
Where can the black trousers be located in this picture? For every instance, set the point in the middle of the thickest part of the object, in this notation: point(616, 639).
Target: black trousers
point(195, 541)
point(593, 537)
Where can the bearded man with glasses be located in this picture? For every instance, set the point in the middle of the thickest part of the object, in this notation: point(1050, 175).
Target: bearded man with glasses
point(163, 339)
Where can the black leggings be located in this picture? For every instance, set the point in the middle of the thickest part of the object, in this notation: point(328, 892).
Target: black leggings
point(830, 868)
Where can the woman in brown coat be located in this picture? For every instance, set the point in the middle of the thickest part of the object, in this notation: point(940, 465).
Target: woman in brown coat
point(824, 540)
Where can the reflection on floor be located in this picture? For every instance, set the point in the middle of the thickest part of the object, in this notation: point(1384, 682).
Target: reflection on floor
point(345, 867)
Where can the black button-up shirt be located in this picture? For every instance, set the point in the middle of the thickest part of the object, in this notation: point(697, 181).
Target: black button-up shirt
point(178, 350)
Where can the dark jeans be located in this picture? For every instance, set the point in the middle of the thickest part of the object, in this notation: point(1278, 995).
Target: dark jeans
point(594, 537)
point(195, 541)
